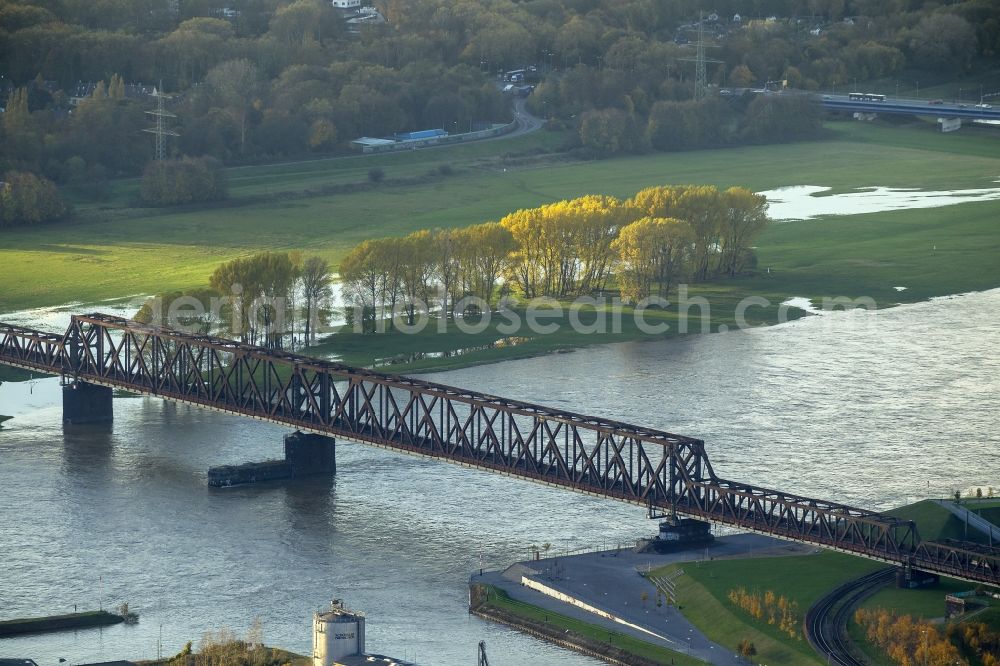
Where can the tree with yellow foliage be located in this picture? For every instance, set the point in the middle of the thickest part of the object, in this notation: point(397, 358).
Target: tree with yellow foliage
point(652, 251)
point(907, 641)
point(724, 223)
point(483, 250)
point(530, 267)
point(417, 271)
point(564, 248)
point(746, 216)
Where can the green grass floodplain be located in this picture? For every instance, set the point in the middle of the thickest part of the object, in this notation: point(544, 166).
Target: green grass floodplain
point(932, 252)
point(703, 588)
point(937, 522)
point(151, 251)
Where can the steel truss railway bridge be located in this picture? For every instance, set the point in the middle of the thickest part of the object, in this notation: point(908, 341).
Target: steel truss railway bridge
point(658, 470)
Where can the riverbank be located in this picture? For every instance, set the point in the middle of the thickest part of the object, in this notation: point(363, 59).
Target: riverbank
point(605, 598)
point(494, 604)
point(68, 621)
point(611, 591)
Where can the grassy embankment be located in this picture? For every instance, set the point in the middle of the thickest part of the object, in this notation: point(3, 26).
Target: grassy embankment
point(496, 604)
point(929, 251)
point(703, 590)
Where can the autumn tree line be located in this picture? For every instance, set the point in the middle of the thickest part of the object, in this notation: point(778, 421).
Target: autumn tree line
point(643, 246)
point(912, 642)
point(254, 299)
point(776, 610)
point(283, 78)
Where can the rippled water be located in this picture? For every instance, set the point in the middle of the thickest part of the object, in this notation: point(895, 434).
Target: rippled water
point(872, 408)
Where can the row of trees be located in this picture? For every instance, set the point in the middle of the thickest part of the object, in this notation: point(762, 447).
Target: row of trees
point(414, 271)
point(565, 249)
point(258, 299)
point(776, 610)
point(909, 642)
point(711, 122)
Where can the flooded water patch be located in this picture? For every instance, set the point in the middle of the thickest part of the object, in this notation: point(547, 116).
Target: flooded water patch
point(801, 303)
point(805, 202)
point(411, 357)
point(57, 317)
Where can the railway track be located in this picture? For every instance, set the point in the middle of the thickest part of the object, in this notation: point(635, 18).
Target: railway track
point(826, 620)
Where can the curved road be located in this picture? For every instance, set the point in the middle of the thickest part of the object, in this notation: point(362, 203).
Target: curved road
point(526, 123)
point(826, 620)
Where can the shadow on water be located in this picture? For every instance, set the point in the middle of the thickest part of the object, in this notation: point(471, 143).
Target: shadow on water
point(309, 504)
point(88, 451)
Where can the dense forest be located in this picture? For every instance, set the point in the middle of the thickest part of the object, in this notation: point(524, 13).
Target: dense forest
point(262, 79)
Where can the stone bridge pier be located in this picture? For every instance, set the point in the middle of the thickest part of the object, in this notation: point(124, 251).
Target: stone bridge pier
point(308, 453)
point(86, 403)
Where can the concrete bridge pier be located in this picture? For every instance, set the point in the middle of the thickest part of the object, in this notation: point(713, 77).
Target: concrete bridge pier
point(307, 453)
point(908, 577)
point(87, 403)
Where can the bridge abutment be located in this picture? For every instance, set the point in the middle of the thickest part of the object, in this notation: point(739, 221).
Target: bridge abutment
point(87, 403)
point(909, 578)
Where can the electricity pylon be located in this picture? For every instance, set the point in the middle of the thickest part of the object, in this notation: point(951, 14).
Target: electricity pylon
point(700, 69)
point(161, 130)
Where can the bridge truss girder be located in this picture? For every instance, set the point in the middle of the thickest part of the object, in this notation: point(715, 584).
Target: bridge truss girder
point(590, 454)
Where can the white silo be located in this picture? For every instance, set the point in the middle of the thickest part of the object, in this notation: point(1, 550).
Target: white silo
point(337, 633)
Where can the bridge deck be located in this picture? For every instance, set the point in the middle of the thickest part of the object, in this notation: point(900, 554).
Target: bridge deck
point(589, 454)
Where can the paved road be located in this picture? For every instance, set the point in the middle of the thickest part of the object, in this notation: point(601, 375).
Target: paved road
point(975, 522)
point(526, 124)
point(611, 582)
point(913, 107)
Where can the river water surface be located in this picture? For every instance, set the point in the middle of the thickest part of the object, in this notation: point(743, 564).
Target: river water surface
point(870, 408)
